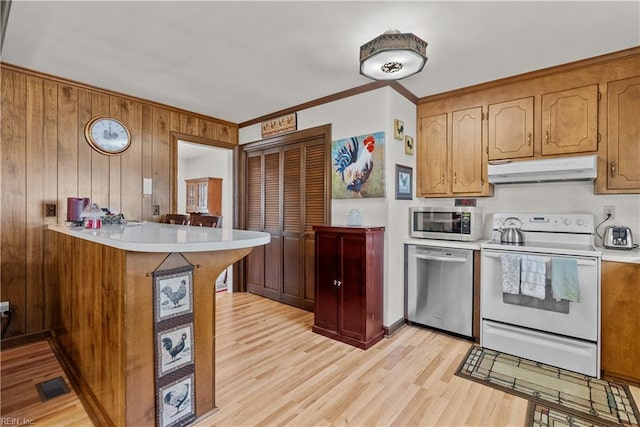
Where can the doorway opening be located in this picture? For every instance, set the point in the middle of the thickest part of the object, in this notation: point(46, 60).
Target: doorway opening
point(196, 160)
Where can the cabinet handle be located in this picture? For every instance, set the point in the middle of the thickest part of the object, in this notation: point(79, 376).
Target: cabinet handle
point(442, 178)
point(335, 283)
point(546, 136)
point(613, 168)
point(339, 283)
point(455, 177)
point(529, 138)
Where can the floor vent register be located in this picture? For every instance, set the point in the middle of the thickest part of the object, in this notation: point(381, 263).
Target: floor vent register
point(52, 388)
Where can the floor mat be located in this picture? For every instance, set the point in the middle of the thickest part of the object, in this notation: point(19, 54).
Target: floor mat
point(586, 398)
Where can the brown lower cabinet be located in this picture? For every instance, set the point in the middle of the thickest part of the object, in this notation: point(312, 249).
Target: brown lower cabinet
point(620, 321)
point(349, 278)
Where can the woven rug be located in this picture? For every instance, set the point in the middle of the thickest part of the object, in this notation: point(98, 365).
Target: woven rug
point(564, 393)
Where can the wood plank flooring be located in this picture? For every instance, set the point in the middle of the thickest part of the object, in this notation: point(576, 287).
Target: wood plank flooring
point(272, 370)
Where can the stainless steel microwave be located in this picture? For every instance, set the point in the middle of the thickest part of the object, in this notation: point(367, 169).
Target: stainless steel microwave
point(447, 223)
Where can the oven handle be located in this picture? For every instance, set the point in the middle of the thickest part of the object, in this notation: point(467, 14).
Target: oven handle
point(579, 261)
point(440, 258)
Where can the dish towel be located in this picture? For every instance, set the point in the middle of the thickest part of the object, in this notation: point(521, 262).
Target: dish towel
point(533, 276)
point(510, 273)
point(564, 279)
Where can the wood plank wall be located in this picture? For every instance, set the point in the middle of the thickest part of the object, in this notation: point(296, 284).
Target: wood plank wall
point(45, 159)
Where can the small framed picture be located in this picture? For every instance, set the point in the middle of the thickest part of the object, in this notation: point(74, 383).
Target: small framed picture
point(173, 291)
point(404, 182)
point(398, 129)
point(175, 348)
point(176, 403)
point(408, 145)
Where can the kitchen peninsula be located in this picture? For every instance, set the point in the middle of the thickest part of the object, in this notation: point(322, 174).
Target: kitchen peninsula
point(104, 287)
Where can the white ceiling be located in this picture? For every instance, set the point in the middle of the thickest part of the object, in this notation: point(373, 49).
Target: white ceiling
point(241, 60)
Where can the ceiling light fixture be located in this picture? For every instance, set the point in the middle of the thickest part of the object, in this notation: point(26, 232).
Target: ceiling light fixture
point(392, 56)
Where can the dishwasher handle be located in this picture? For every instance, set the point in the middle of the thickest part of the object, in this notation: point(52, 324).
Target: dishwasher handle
point(440, 258)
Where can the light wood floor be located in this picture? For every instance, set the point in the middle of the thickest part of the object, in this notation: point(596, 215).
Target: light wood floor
point(272, 370)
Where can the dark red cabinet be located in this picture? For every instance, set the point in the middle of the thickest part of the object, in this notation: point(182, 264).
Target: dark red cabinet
point(349, 276)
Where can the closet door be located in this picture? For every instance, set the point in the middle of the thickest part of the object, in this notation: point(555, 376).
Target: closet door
point(292, 230)
point(254, 221)
point(273, 223)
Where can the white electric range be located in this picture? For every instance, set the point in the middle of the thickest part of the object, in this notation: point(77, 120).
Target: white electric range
point(529, 317)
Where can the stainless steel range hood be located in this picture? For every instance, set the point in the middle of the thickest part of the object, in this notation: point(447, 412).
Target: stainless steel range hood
point(579, 168)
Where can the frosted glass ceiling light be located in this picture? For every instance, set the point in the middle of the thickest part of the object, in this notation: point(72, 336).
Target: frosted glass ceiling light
point(392, 56)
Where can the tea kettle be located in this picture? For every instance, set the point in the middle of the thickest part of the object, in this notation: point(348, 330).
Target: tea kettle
point(510, 233)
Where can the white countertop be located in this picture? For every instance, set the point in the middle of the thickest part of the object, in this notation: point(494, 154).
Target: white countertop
point(156, 237)
point(618, 255)
point(475, 245)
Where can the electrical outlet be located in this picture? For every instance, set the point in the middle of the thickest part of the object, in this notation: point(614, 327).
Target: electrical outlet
point(609, 210)
point(4, 307)
point(156, 209)
point(50, 209)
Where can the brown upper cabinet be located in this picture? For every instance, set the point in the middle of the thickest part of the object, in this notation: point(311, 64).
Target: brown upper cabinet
point(466, 151)
point(431, 152)
point(511, 129)
point(450, 155)
point(204, 196)
point(570, 121)
point(587, 107)
point(623, 129)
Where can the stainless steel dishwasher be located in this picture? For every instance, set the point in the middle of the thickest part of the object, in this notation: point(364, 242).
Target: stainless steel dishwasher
point(439, 288)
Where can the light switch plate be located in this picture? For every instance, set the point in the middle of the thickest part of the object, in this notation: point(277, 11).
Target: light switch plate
point(147, 186)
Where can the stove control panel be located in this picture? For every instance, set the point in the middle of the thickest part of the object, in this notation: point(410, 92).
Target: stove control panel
point(582, 223)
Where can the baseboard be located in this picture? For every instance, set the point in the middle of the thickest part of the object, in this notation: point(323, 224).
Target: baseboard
point(24, 339)
point(395, 327)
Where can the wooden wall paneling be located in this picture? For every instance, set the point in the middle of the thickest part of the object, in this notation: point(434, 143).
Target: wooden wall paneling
point(161, 155)
point(207, 129)
point(85, 107)
point(146, 140)
point(189, 124)
point(35, 194)
point(99, 162)
point(67, 145)
point(13, 198)
point(131, 162)
point(50, 184)
point(115, 163)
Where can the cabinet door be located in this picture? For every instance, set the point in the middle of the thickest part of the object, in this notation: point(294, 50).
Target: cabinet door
point(255, 221)
point(623, 142)
point(620, 320)
point(352, 288)
point(466, 151)
point(570, 121)
point(326, 310)
point(511, 129)
point(432, 156)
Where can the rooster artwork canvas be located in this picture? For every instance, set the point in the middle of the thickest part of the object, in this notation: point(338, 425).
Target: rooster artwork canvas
point(358, 163)
point(177, 403)
point(173, 294)
point(176, 348)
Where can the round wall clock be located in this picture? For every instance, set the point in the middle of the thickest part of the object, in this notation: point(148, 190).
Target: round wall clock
point(107, 135)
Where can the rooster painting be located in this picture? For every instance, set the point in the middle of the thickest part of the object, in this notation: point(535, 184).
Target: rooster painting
point(354, 160)
point(176, 296)
point(179, 399)
point(174, 350)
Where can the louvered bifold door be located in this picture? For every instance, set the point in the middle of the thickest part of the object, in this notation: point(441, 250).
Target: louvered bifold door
point(255, 260)
point(293, 229)
point(314, 212)
point(273, 223)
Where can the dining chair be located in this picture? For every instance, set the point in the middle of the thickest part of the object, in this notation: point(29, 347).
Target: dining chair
point(206, 221)
point(179, 219)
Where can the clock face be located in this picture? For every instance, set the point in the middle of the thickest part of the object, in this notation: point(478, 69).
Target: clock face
point(107, 135)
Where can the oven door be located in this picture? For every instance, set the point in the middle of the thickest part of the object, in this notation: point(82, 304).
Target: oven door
point(572, 319)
